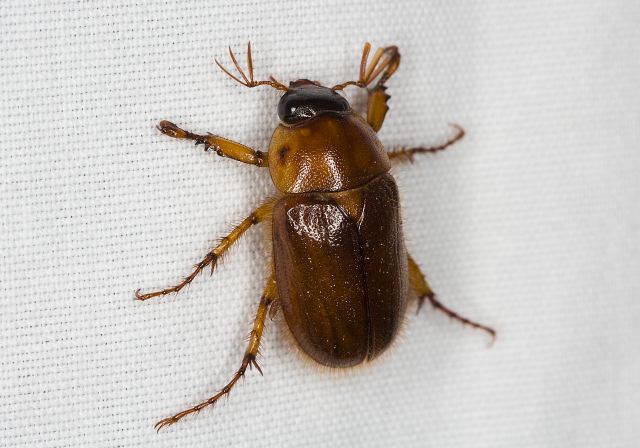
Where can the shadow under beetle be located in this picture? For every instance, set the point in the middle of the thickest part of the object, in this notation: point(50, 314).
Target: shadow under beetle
point(341, 274)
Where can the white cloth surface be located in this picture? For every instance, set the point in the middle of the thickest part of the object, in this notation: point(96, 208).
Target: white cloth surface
point(530, 224)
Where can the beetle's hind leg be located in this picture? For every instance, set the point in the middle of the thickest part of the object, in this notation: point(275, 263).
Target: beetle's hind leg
point(406, 154)
point(249, 359)
point(423, 290)
point(258, 215)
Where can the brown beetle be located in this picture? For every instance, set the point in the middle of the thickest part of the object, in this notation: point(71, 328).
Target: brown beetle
point(340, 271)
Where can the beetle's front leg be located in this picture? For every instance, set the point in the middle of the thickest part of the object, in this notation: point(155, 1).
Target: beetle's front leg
point(406, 154)
point(377, 107)
point(222, 146)
point(249, 359)
point(258, 215)
point(423, 290)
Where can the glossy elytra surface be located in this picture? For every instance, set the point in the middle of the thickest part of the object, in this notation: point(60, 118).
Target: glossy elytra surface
point(341, 270)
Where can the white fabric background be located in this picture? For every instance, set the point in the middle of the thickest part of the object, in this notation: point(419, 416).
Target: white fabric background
point(531, 224)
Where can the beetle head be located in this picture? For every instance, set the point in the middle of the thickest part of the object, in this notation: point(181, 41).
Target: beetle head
point(307, 99)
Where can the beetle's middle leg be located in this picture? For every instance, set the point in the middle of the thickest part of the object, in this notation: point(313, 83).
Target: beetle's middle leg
point(258, 215)
point(421, 287)
point(222, 146)
point(249, 359)
point(406, 154)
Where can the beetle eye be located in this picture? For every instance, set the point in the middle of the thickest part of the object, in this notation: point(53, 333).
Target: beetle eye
point(305, 100)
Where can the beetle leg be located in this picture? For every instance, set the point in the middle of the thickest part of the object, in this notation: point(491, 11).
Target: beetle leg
point(249, 359)
point(424, 291)
point(377, 107)
point(212, 257)
point(222, 146)
point(408, 153)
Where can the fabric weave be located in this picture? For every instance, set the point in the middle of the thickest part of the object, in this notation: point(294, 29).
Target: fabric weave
point(530, 224)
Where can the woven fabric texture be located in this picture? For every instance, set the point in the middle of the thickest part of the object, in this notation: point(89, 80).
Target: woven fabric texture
point(530, 224)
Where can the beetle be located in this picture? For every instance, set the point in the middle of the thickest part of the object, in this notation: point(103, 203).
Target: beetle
point(340, 272)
